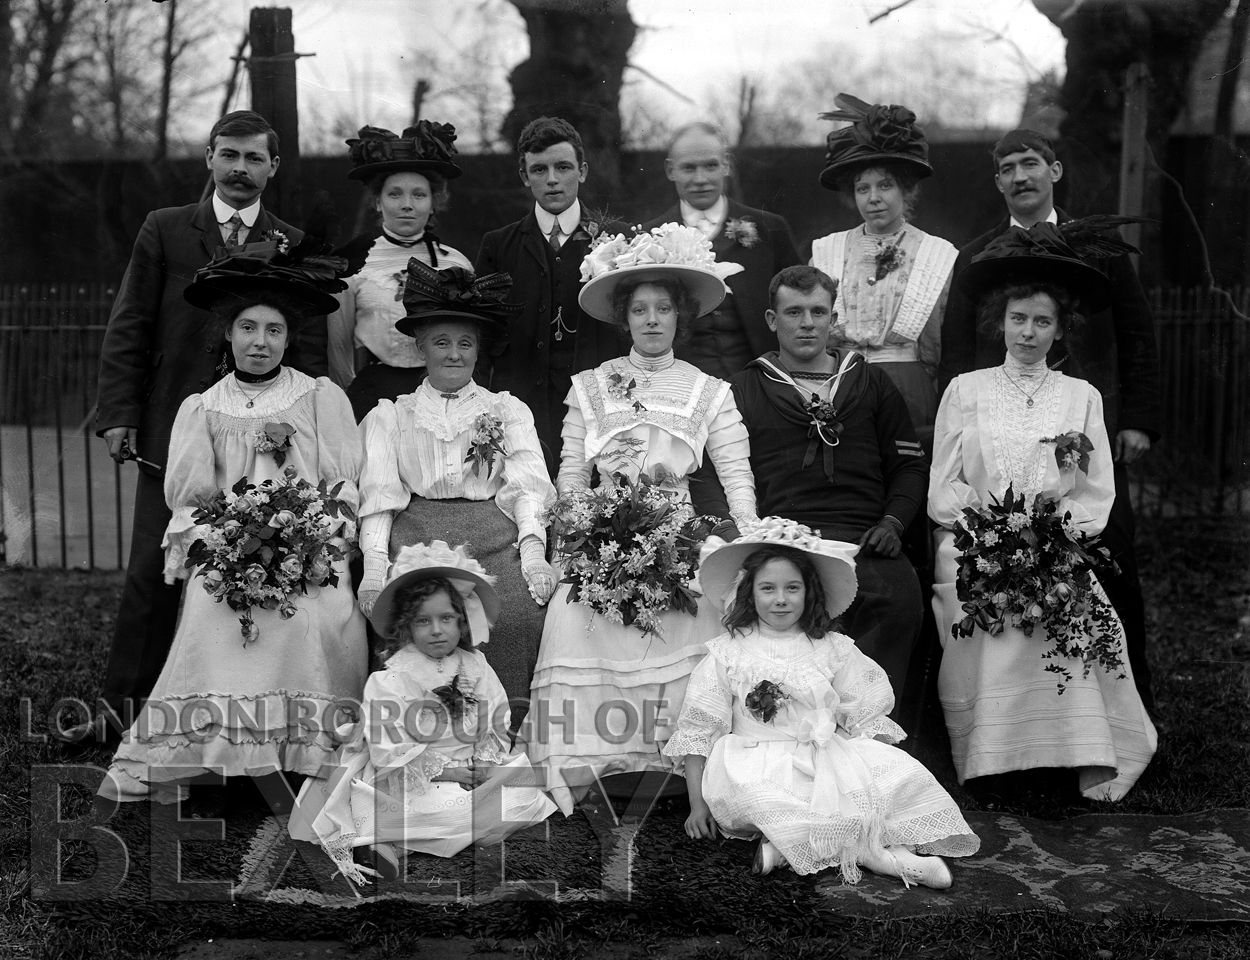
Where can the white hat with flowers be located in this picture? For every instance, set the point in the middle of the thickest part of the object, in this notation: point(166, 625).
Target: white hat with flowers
point(670, 251)
point(834, 561)
point(425, 561)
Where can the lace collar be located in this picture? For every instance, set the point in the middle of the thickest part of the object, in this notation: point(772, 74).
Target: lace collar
point(1019, 370)
point(445, 417)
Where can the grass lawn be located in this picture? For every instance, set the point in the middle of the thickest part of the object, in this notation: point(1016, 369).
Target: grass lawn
point(54, 637)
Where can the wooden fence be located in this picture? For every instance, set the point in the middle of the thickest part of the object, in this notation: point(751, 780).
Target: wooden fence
point(64, 503)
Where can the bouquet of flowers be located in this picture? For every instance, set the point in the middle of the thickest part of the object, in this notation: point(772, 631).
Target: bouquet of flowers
point(668, 243)
point(1033, 567)
point(265, 545)
point(486, 443)
point(630, 550)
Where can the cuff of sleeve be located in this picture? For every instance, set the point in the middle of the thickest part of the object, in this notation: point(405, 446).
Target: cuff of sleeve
point(743, 512)
point(179, 535)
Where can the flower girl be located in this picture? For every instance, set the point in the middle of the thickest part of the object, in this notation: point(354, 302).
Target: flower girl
point(783, 723)
point(427, 766)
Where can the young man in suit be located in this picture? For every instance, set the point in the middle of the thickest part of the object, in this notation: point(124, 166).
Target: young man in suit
point(1116, 351)
point(731, 336)
point(552, 339)
point(157, 351)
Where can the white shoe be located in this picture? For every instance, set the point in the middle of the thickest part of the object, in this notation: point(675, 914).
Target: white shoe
point(925, 871)
point(767, 858)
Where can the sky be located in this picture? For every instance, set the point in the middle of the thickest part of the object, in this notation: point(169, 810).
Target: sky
point(690, 55)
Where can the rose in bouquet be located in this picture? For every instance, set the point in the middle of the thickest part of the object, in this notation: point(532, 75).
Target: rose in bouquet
point(765, 699)
point(265, 545)
point(1032, 567)
point(630, 550)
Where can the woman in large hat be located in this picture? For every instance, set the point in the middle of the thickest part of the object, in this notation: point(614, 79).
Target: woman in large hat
point(406, 177)
point(224, 699)
point(893, 278)
point(647, 413)
point(1010, 588)
point(453, 461)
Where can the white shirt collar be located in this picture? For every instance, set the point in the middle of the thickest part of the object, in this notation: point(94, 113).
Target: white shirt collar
point(1052, 217)
point(569, 219)
point(223, 211)
point(716, 213)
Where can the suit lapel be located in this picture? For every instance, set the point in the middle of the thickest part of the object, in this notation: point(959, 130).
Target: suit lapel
point(533, 241)
point(206, 222)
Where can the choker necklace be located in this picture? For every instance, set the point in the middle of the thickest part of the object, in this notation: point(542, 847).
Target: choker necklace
point(1027, 396)
point(246, 377)
point(251, 398)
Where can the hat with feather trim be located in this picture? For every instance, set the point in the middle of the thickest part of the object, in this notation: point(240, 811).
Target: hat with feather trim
point(877, 132)
point(424, 561)
point(426, 147)
point(455, 294)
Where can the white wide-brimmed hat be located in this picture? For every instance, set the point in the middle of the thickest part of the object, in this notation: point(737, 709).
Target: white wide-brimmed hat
point(436, 559)
point(834, 561)
point(670, 251)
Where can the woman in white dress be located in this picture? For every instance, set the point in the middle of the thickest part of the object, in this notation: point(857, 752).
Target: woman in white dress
point(221, 705)
point(646, 413)
point(406, 177)
point(893, 278)
point(1004, 711)
point(453, 461)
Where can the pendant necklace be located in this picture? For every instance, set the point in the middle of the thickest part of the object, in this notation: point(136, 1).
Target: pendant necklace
point(1028, 397)
point(251, 398)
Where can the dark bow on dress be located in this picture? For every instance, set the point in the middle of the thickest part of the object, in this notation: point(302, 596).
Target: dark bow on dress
point(877, 132)
point(431, 295)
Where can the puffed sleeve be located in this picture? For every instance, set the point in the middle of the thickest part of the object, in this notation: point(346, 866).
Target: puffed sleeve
point(864, 693)
point(527, 490)
point(381, 487)
point(706, 713)
point(574, 467)
point(341, 334)
point(730, 449)
point(949, 491)
point(339, 454)
point(1092, 494)
point(190, 476)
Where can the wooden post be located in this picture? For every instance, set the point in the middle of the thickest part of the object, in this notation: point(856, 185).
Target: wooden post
point(272, 69)
point(1133, 151)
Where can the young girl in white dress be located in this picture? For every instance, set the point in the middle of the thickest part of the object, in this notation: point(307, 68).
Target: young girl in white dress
point(424, 769)
point(783, 724)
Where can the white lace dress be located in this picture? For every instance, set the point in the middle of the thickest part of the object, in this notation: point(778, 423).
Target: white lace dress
point(817, 779)
point(1003, 710)
point(382, 789)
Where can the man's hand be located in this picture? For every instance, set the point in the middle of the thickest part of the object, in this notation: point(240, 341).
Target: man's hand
point(1130, 445)
point(128, 437)
point(883, 540)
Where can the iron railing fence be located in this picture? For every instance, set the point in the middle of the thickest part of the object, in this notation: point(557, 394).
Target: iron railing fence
point(64, 503)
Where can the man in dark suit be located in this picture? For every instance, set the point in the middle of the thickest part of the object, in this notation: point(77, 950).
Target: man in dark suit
point(1116, 351)
point(157, 351)
point(552, 339)
point(724, 341)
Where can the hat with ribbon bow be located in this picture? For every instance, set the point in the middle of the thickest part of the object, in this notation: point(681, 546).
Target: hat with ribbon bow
point(878, 132)
point(455, 294)
point(427, 147)
point(424, 561)
point(1051, 253)
point(308, 273)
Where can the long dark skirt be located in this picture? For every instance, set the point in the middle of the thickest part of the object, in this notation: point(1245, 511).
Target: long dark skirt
point(489, 537)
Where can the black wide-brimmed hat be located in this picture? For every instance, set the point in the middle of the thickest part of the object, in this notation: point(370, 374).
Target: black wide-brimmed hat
point(427, 147)
point(1051, 253)
point(431, 296)
point(307, 273)
point(877, 133)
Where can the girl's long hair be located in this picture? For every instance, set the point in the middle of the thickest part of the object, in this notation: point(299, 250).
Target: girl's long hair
point(741, 614)
point(408, 602)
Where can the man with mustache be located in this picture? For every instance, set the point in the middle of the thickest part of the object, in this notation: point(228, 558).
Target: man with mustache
point(1116, 351)
point(157, 351)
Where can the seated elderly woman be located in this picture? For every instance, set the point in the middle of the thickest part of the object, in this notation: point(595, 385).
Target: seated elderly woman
point(651, 414)
point(452, 461)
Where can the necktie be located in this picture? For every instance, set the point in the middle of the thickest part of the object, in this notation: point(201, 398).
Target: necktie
point(554, 237)
point(235, 223)
point(707, 226)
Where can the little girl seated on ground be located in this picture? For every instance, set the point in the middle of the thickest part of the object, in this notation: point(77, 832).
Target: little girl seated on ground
point(780, 723)
point(426, 768)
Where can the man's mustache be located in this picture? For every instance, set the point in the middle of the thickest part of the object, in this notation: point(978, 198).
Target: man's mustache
point(242, 179)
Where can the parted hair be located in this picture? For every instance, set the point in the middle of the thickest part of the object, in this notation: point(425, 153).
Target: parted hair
point(803, 278)
point(544, 132)
point(685, 303)
point(992, 311)
point(408, 603)
point(741, 614)
point(293, 311)
point(244, 123)
point(1020, 140)
point(904, 175)
point(438, 190)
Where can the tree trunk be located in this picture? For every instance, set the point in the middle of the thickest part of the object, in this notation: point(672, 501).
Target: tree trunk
point(167, 79)
point(578, 52)
point(53, 25)
point(6, 73)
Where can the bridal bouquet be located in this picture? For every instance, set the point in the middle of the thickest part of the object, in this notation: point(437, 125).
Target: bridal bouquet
point(670, 243)
point(266, 545)
point(1031, 566)
point(630, 550)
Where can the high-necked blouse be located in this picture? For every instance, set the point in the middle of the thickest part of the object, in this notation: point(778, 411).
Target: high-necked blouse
point(988, 435)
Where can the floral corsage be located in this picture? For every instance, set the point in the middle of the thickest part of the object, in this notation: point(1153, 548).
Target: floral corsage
point(742, 232)
point(275, 438)
point(621, 387)
point(1072, 450)
point(765, 699)
point(278, 237)
point(486, 443)
point(889, 258)
point(454, 698)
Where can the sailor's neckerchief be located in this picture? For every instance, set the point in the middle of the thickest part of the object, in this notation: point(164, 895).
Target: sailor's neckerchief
point(795, 402)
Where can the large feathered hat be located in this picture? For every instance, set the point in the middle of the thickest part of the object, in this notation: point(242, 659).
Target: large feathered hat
point(427, 147)
point(455, 294)
point(877, 133)
point(1053, 253)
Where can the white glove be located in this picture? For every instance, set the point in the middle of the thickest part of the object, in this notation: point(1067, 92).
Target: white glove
point(366, 598)
point(540, 576)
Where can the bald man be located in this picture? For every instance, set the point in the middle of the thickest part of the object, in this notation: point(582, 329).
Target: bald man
point(726, 340)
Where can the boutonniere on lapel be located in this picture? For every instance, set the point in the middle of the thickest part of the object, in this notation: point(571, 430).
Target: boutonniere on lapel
point(742, 232)
point(621, 387)
point(275, 438)
point(278, 237)
point(596, 224)
point(889, 258)
point(1072, 450)
point(485, 443)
